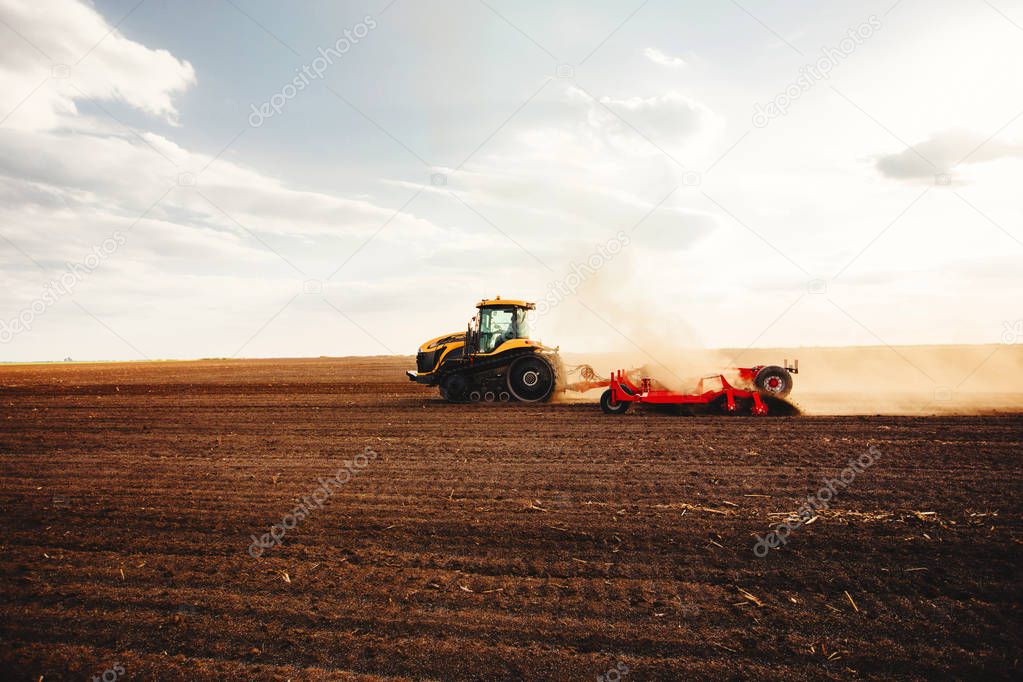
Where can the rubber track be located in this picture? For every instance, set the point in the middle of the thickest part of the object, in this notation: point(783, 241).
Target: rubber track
point(505, 360)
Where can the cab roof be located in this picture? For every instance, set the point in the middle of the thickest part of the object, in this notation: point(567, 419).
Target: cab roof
point(503, 302)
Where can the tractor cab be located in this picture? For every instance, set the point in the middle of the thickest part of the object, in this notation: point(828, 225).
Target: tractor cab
point(496, 322)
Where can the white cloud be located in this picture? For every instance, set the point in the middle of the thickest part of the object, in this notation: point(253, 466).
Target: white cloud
point(658, 57)
point(557, 185)
point(69, 179)
point(593, 169)
point(943, 152)
point(65, 51)
point(670, 121)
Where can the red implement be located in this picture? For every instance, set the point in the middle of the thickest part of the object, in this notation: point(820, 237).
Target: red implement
point(755, 388)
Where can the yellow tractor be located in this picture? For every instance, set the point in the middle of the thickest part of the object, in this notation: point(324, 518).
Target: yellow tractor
point(494, 359)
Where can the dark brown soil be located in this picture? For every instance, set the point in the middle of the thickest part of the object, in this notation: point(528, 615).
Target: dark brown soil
point(486, 541)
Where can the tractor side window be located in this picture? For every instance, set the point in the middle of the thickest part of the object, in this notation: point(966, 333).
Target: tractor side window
point(496, 325)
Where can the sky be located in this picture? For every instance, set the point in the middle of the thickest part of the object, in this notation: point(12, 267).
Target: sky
point(239, 178)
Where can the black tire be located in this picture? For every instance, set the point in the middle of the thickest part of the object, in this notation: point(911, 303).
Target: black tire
point(531, 379)
point(453, 388)
point(609, 407)
point(774, 381)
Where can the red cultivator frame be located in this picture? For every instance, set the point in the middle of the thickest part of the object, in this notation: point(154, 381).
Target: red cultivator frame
point(756, 390)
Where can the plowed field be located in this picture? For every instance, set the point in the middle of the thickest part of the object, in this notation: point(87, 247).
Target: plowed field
point(483, 542)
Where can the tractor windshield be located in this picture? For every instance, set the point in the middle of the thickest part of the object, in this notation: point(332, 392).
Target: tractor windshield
point(499, 324)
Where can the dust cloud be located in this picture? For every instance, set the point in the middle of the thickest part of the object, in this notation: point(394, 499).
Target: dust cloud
point(857, 380)
point(632, 331)
point(981, 379)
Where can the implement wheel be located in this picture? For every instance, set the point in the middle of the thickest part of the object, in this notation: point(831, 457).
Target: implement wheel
point(774, 381)
point(531, 379)
point(609, 406)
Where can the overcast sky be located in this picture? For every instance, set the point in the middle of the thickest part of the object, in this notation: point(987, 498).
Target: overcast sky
point(235, 177)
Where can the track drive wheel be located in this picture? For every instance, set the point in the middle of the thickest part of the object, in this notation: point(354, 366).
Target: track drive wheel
point(531, 379)
point(608, 405)
point(774, 381)
point(453, 388)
